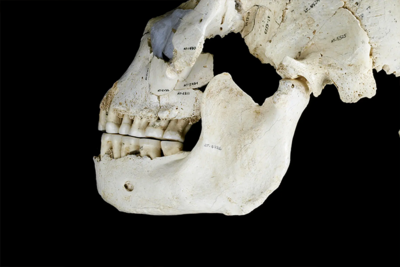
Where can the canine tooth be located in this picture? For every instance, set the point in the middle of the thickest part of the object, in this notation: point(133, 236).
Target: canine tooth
point(150, 148)
point(113, 122)
point(129, 144)
point(102, 120)
point(105, 144)
point(138, 127)
point(170, 147)
point(116, 145)
point(126, 125)
point(156, 129)
point(177, 130)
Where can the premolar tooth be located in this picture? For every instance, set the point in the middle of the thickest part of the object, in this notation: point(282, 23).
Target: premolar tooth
point(156, 129)
point(102, 120)
point(105, 144)
point(150, 148)
point(177, 130)
point(116, 145)
point(126, 125)
point(138, 128)
point(129, 145)
point(170, 147)
point(113, 122)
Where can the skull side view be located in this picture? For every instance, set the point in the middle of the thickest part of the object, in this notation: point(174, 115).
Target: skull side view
point(244, 149)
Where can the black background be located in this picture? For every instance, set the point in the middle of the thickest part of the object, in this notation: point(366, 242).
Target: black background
point(338, 203)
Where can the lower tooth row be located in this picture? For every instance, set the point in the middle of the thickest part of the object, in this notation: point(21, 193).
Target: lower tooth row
point(119, 146)
point(161, 129)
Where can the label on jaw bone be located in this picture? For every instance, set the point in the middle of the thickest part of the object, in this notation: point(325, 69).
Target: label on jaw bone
point(183, 93)
point(213, 146)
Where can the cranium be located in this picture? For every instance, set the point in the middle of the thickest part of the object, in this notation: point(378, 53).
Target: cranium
point(244, 149)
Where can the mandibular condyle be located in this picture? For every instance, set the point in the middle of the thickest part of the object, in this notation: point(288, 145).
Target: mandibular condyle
point(244, 148)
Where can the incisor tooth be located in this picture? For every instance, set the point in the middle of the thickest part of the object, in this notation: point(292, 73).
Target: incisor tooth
point(116, 145)
point(102, 120)
point(170, 147)
point(150, 148)
point(126, 125)
point(129, 145)
point(138, 127)
point(156, 129)
point(105, 144)
point(113, 122)
point(177, 130)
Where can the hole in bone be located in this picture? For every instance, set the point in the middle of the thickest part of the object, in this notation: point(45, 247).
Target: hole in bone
point(128, 186)
point(166, 58)
point(192, 136)
point(203, 88)
point(245, 69)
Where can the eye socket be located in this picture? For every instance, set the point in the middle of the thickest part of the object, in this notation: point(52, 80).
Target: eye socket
point(128, 186)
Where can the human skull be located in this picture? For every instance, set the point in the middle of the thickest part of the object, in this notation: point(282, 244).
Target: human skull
point(244, 149)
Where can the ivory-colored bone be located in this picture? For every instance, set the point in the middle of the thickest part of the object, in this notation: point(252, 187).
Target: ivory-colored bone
point(210, 18)
point(201, 73)
point(244, 148)
point(239, 140)
point(171, 148)
point(162, 33)
point(181, 104)
point(132, 96)
point(150, 148)
point(156, 129)
point(142, 58)
point(162, 81)
point(338, 53)
point(381, 21)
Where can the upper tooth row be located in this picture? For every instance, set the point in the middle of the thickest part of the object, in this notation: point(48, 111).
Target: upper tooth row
point(161, 129)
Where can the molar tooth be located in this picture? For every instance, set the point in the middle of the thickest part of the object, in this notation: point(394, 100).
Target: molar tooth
point(105, 144)
point(170, 147)
point(156, 129)
point(150, 148)
point(177, 130)
point(126, 125)
point(138, 127)
point(102, 120)
point(129, 145)
point(116, 145)
point(113, 122)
